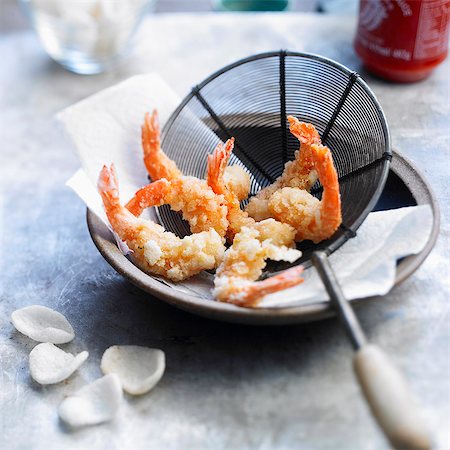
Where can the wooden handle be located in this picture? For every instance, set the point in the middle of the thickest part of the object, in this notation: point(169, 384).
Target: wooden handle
point(390, 399)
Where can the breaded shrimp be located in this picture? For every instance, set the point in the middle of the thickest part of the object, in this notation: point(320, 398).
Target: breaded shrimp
point(298, 173)
point(253, 243)
point(280, 233)
point(155, 250)
point(159, 165)
point(244, 262)
point(200, 206)
point(217, 163)
point(313, 219)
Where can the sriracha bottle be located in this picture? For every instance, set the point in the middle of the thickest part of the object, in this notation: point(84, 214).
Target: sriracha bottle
point(402, 40)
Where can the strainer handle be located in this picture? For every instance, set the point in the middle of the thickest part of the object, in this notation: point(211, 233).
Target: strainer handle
point(386, 391)
point(390, 399)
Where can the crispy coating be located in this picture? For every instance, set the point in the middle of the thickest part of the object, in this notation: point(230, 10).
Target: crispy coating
point(299, 173)
point(200, 206)
point(237, 181)
point(244, 262)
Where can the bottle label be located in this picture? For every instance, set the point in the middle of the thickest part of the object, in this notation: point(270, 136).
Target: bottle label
point(432, 31)
point(404, 30)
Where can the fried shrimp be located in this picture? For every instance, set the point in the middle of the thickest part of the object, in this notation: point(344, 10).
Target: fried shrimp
point(313, 219)
point(280, 233)
point(200, 206)
point(253, 243)
point(155, 250)
point(299, 173)
point(217, 162)
point(159, 165)
point(198, 203)
point(244, 262)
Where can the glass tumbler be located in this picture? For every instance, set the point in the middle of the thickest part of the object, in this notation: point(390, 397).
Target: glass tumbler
point(86, 36)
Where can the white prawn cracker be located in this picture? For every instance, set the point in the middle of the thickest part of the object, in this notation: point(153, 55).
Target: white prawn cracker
point(43, 324)
point(49, 364)
point(139, 368)
point(94, 403)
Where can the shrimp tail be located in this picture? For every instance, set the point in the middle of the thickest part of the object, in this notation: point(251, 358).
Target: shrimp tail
point(330, 209)
point(108, 187)
point(324, 164)
point(120, 218)
point(158, 164)
point(250, 295)
point(306, 133)
point(154, 194)
point(150, 135)
point(217, 162)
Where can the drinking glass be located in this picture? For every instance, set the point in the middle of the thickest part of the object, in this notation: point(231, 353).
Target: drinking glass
point(86, 36)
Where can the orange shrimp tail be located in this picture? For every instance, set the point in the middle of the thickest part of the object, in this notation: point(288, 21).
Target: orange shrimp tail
point(324, 164)
point(156, 161)
point(153, 194)
point(217, 162)
point(306, 133)
point(331, 215)
point(108, 187)
point(251, 295)
point(150, 133)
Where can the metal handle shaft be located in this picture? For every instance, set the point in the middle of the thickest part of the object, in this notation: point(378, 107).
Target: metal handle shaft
point(339, 302)
point(386, 391)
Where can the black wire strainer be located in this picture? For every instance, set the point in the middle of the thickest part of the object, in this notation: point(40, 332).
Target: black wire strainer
point(250, 100)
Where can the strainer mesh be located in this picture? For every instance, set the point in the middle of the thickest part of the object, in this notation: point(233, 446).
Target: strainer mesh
point(250, 101)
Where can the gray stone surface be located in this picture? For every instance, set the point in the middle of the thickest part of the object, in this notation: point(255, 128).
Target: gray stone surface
point(12, 17)
point(225, 386)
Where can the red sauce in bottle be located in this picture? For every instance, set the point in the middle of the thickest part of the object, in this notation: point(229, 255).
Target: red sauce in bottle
point(402, 40)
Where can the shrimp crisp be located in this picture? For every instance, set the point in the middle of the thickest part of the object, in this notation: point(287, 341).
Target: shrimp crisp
point(299, 173)
point(312, 219)
point(159, 165)
point(155, 250)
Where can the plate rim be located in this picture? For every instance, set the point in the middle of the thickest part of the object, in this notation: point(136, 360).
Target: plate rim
point(102, 238)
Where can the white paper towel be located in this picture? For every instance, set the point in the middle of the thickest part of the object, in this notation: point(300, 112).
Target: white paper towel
point(105, 128)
